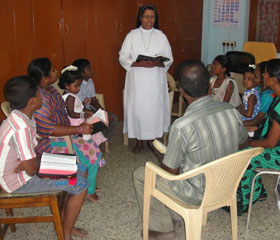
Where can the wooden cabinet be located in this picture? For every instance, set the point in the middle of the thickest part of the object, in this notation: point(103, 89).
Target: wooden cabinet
point(65, 30)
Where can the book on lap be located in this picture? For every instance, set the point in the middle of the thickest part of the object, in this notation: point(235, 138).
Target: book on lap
point(150, 58)
point(99, 115)
point(58, 165)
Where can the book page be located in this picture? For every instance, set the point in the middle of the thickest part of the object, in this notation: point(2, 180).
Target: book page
point(100, 115)
point(58, 158)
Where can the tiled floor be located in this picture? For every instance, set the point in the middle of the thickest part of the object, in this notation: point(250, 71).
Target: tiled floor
point(116, 215)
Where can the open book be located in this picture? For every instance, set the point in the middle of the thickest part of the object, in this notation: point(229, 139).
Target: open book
point(100, 115)
point(149, 58)
point(159, 146)
point(60, 165)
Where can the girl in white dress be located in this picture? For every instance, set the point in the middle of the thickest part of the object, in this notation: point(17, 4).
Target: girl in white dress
point(146, 102)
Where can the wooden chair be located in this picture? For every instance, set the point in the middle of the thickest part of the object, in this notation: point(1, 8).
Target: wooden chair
point(8, 201)
point(222, 178)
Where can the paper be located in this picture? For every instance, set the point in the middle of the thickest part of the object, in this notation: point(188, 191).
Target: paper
point(159, 146)
point(100, 115)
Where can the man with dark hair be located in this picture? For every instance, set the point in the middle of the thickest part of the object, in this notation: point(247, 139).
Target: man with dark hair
point(198, 137)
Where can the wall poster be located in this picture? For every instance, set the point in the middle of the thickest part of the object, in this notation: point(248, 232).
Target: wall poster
point(226, 13)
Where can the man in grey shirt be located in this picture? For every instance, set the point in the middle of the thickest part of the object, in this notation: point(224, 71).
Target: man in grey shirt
point(207, 131)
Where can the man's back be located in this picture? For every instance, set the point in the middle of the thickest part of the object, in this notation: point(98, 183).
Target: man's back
point(208, 130)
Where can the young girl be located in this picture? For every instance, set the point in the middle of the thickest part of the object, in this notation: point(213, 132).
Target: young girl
point(267, 96)
point(71, 80)
point(251, 97)
point(223, 88)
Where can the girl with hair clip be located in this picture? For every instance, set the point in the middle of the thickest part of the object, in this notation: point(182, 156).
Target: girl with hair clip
point(146, 101)
point(269, 139)
point(71, 80)
point(222, 87)
point(267, 96)
point(251, 97)
point(52, 120)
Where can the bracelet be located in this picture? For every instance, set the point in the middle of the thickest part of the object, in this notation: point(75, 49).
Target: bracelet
point(82, 115)
point(80, 130)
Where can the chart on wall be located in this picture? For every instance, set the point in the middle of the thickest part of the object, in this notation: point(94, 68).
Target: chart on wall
point(226, 13)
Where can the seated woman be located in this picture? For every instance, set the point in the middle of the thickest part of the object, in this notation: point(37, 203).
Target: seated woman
point(267, 96)
point(269, 139)
point(51, 120)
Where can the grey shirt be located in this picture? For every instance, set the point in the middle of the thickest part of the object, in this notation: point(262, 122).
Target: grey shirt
point(208, 130)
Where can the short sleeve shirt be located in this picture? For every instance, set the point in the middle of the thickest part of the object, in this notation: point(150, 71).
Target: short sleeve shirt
point(87, 90)
point(17, 143)
point(193, 143)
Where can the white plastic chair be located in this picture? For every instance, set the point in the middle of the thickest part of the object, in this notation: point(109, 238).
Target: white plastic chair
point(222, 178)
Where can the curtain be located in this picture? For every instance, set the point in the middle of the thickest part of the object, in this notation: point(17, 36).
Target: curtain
point(268, 23)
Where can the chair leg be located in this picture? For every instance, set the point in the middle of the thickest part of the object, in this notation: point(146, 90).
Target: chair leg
point(233, 216)
point(9, 212)
point(56, 218)
point(165, 138)
point(251, 200)
point(106, 147)
point(204, 219)
point(125, 138)
point(193, 224)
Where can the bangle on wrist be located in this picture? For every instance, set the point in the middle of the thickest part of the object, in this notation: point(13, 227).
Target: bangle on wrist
point(80, 130)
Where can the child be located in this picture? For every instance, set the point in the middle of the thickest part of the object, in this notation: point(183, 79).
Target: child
point(18, 159)
point(251, 97)
point(267, 96)
point(223, 88)
point(88, 91)
point(70, 80)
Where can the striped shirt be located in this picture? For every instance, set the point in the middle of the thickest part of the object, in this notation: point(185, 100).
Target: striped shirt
point(50, 114)
point(202, 135)
point(17, 142)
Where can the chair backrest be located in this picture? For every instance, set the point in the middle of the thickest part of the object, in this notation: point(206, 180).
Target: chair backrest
point(239, 61)
point(263, 51)
point(171, 82)
point(223, 176)
point(100, 98)
point(5, 106)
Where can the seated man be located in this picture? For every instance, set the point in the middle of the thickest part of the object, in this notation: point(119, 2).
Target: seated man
point(18, 160)
point(200, 136)
point(88, 96)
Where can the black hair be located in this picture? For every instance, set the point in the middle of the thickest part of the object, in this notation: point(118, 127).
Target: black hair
point(81, 64)
point(261, 66)
point(19, 90)
point(142, 10)
point(39, 68)
point(224, 61)
point(193, 78)
point(273, 68)
point(68, 77)
point(251, 68)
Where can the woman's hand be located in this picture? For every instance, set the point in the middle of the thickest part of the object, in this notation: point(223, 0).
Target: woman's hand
point(86, 128)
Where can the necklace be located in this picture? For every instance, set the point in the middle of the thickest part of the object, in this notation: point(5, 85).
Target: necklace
point(149, 42)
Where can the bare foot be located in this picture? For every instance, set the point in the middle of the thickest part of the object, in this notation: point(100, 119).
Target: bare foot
point(93, 197)
point(138, 147)
point(97, 189)
point(79, 232)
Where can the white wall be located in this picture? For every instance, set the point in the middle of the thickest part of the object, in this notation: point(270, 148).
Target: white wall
point(213, 36)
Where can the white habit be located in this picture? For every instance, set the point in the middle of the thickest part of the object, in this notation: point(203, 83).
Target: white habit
point(146, 103)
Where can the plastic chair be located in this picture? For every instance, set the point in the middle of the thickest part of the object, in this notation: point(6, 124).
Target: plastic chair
point(8, 201)
point(222, 178)
point(263, 51)
point(261, 171)
point(172, 87)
